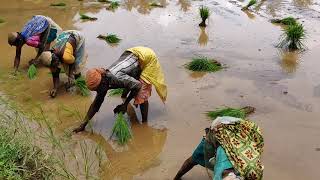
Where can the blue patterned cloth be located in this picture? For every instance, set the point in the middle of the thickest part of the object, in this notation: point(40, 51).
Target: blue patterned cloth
point(37, 25)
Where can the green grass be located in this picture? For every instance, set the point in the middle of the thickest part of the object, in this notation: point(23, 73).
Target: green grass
point(285, 21)
point(292, 37)
point(110, 38)
point(115, 92)
point(113, 5)
point(204, 14)
point(251, 3)
point(155, 4)
point(32, 71)
point(86, 17)
point(58, 4)
point(203, 64)
point(121, 129)
point(81, 84)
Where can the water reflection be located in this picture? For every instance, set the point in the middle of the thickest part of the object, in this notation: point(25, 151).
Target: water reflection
point(249, 14)
point(203, 37)
point(302, 3)
point(185, 5)
point(289, 61)
point(142, 6)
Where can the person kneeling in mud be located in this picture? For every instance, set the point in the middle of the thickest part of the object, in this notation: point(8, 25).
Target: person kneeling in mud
point(39, 32)
point(136, 71)
point(231, 148)
point(69, 53)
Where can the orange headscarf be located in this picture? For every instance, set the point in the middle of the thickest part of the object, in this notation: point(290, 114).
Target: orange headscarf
point(93, 78)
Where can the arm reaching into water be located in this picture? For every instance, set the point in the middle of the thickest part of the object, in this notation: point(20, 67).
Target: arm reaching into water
point(17, 57)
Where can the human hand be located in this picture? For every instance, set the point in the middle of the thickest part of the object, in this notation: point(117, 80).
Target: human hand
point(53, 93)
point(120, 108)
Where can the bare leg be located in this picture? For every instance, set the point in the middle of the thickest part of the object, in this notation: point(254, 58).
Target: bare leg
point(186, 167)
point(144, 108)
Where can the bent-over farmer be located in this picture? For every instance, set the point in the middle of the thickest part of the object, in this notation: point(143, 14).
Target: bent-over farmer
point(136, 71)
point(68, 53)
point(39, 32)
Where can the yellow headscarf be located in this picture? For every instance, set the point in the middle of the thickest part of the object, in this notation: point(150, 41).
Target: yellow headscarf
point(68, 56)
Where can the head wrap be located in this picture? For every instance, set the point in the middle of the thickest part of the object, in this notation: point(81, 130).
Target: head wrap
point(93, 78)
point(46, 58)
point(12, 37)
point(68, 57)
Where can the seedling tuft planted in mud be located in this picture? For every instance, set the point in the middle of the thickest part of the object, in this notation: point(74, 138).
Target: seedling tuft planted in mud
point(81, 84)
point(232, 112)
point(285, 21)
point(113, 5)
point(121, 129)
point(204, 14)
point(110, 38)
point(203, 64)
point(251, 3)
point(86, 17)
point(292, 37)
point(61, 4)
point(115, 92)
point(32, 71)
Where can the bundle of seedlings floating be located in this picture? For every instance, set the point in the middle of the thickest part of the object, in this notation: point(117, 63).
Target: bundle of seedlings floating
point(61, 4)
point(32, 71)
point(251, 3)
point(155, 4)
point(203, 64)
point(110, 38)
point(292, 37)
point(285, 21)
point(82, 86)
point(115, 92)
point(232, 112)
point(121, 129)
point(113, 5)
point(86, 17)
point(204, 14)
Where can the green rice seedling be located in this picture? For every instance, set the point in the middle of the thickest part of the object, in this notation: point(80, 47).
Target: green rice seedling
point(58, 4)
point(121, 129)
point(292, 37)
point(115, 92)
point(204, 14)
point(110, 38)
point(285, 21)
point(203, 64)
point(32, 71)
point(113, 5)
point(155, 4)
point(233, 112)
point(82, 86)
point(251, 3)
point(86, 17)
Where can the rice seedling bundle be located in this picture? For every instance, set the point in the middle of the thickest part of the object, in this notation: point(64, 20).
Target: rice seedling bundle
point(285, 21)
point(204, 14)
point(232, 112)
point(292, 37)
point(86, 17)
point(113, 5)
point(204, 64)
point(110, 38)
point(58, 4)
point(115, 92)
point(251, 3)
point(121, 129)
point(32, 71)
point(81, 84)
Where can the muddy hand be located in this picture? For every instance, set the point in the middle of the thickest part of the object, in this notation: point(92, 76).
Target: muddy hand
point(80, 128)
point(53, 93)
point(120, 108)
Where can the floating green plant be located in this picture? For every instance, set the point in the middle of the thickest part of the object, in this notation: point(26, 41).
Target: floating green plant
point(32, 71)
point(115, 92)
point(113, 5)
point(292, 37)
point(121, 129)
point(81, 84)
point(110, 38)
point(203, 64)
point(204, 14)
point(155, 4)
point(232, 112)
point(285, 21)
point(86, 17)
point(251, 3)
point(58, 4)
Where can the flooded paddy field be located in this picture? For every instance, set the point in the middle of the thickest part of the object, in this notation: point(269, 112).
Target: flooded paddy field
point(283, 87)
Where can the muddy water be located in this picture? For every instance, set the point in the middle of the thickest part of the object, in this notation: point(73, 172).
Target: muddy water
point(283, 87)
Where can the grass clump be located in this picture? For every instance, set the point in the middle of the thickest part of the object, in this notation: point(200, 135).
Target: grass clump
point(251, 3)
point(155, 4)
point(81, 84)
point(121, 129)
point(115, 92)
point(285, 21)
point(292, 37)
point(32, 71)
point(58, 4)
point(113, 5)
point(232, 112)
point(110, 38)
point(203, 64)
point(204, 14)
point(86, 17)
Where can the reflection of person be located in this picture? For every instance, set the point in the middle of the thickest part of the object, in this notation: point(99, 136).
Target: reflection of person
point(69, 52)
point(232, 148)
point(136, 71)
point(39, 32)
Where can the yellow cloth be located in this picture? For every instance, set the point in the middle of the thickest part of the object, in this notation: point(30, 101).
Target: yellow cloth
point(151, 69)
point(68, 57)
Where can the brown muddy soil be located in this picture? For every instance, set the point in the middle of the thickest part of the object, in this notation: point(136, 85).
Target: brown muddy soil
point(283, 87)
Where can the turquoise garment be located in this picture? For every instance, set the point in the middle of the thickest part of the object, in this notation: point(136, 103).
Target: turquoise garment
point(222, 163)
point(198, 154)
